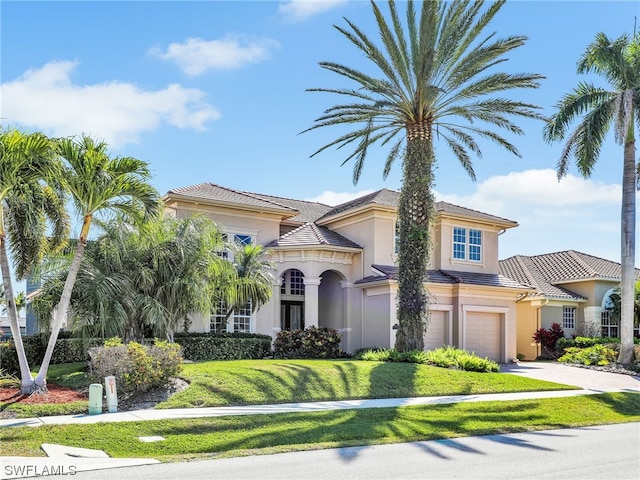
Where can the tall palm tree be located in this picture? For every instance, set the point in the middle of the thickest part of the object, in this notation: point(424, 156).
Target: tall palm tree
point(97, 184)
point(33, 219)
point(618, 61)
point(437, 73)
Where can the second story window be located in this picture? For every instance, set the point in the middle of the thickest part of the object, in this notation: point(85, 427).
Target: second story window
point(467, 244)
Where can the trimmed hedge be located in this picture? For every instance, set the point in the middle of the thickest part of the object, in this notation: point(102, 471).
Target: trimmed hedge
point(195, 346)
point(223, 346)
point(68, 350)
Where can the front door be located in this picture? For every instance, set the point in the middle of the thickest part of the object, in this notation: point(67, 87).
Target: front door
point(291, 315)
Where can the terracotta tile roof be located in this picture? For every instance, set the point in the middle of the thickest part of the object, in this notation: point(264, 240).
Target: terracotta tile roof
point(307, 211)
point(547, 272)
point(211, 191)
point(311, 234)
point(390, 272)
point(390, 198)
point(385, 197)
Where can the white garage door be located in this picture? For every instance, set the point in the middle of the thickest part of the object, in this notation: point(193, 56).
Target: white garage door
point(482, 334)
point(436, 334)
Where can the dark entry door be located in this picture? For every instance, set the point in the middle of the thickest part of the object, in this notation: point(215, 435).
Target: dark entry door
point(291, 315)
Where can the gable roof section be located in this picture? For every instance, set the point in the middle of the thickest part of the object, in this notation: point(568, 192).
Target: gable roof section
point(307, 211)
point(390, 272)
point(390, 198)
point(385, 197)
point(549, 271)
point(456, 210)
point(311, 234)
point(523, 270)
point(217, 194)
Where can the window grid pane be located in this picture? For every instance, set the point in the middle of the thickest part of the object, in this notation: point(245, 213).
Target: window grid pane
point(217, 320)
point(609, 325)
point(242, 319)
point(459, 242)
point(568, 317)
point(475, 245)
point(297, 282)
point(242, 239)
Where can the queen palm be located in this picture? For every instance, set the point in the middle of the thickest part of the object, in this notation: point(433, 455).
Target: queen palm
point(618, 61)
point(436, 72)
point(33, 219)
point(97, 184)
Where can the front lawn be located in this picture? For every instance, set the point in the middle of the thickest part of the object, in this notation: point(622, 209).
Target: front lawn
point(247, 382)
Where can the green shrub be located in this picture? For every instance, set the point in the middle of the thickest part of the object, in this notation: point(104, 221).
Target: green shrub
point(446, 357)
point(312, 342)
point(223, 346)
point(137, 367)
point(584, 342)
point(595, 355)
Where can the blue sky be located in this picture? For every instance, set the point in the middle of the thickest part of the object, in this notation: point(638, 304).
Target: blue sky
point(214, 91)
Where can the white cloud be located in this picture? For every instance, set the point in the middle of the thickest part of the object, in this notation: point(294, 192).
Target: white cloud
point(300, 10)
point(195, 56)
point(117, 112)
point(574, 213)
point(336, 198)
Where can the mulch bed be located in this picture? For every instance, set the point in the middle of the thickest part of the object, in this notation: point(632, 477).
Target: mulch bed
point(56, 394)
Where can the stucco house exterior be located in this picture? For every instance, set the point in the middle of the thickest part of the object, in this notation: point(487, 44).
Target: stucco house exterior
point(336, 267)
point(572, 289)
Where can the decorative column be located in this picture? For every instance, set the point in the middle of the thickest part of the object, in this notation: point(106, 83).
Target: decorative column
point(592, 322)
point(275, 302)
point(311, 301)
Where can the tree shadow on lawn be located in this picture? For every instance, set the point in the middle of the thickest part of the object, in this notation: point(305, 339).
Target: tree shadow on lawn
point(349, 428)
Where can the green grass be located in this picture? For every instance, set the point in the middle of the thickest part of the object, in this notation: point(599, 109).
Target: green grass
point(261, 434)
point(246, 382)
point(250, 382)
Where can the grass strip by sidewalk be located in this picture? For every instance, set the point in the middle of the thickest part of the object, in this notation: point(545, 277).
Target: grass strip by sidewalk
point(263, 434)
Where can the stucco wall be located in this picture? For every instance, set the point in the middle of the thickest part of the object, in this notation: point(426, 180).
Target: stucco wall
point(444, 251)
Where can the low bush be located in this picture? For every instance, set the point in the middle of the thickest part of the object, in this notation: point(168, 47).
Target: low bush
point(312, 342)
point(446, 357)
point(595, 355)
point(137, 367)
point(549, 339)
point(223, 346)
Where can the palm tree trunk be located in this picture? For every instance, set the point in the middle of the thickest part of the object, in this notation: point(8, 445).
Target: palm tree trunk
point(628, 249)
point(414, 216)
point(59, 314)
point(27, 383)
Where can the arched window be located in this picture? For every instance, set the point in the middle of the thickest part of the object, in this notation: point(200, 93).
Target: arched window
point(608, 321)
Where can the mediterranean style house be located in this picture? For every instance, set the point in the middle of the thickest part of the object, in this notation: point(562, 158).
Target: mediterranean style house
point(336, 267)
point(572, 289)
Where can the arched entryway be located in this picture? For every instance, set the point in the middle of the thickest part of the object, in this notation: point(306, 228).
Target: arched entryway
point(331, 300)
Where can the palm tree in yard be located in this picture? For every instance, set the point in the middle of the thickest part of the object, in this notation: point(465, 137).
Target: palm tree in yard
point(618, 61)
point(33, 220)
point(136, 282)
point(98, 184)
point(250, 282)
point(436, 75)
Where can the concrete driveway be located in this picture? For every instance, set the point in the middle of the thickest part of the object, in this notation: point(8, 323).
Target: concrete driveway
point(580, 377)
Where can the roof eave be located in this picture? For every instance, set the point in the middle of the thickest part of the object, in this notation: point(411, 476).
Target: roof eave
point(283, 212)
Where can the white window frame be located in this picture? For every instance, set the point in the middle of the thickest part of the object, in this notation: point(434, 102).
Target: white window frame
point(568, 317)
point(240, 320)
point(466, 244)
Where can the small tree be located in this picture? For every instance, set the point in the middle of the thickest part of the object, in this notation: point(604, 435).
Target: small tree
point(549, 338)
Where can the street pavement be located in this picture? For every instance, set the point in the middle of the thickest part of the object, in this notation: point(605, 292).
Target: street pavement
point(63, 459)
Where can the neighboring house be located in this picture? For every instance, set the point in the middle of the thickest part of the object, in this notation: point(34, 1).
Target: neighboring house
point(5, 326)
point(573, 289)
point(336, 267)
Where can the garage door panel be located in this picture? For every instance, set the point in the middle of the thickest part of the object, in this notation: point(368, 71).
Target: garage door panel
point(436, 334)
point(483, 334)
